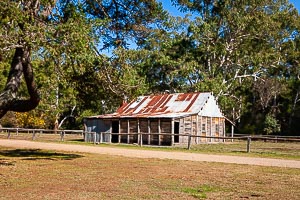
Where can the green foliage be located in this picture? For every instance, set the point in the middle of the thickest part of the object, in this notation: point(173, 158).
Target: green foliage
point(245, 52)
point(66, 39)
point(200, 192)
point(271, 125)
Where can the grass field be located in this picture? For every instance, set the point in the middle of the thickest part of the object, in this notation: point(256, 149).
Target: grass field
point(36, 174)
point(286, 150)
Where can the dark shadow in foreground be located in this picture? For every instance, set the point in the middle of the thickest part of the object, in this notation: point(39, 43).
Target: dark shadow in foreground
point(36, 154)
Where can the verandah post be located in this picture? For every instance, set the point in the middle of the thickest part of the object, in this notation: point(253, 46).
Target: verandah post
point(189, 141)
point(95, 137)
point(172, 132)
point(159, 132)
point(101, 137)
point(141, 139)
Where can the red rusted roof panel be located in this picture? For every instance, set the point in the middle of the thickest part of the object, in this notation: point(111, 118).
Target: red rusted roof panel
point(140, 103)
point(169, 105)
point(122, 107)
point(189, 96)
point(154, 100)
point(192, 101)
point(168, 99)
point(181, 97)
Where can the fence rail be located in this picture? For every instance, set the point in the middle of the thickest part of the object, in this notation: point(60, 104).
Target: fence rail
point(247, 138)
point(38, 132)
point(105, 137)
point(268, 136)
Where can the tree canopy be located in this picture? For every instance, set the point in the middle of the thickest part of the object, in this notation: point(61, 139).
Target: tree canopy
point(245, 52)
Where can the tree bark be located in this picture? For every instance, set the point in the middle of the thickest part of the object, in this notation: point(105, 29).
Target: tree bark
point(9, 100)
point(34, 99)
point(296, 99)
point(9, 95)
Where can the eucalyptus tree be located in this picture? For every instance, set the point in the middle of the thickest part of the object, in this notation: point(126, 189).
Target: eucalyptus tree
point(291, 104)
point(19, 33)
point(236, 43)
point(50, 36)
point(65, 42)
point(164, 57)
point(111, 78)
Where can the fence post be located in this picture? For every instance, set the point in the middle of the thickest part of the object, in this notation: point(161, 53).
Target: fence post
point(141, 139)
point(8, 136)
point(248, 144)
point(101, 137)
point(62, 135)
point(33, 135)
point(189, 141)
point(84, 134)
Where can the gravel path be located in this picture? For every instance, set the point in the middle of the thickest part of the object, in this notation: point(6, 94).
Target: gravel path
point(139, 153)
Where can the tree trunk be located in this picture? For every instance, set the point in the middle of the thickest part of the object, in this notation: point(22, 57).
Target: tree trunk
point(9, 95)
point(296, 99)
point(9, 100)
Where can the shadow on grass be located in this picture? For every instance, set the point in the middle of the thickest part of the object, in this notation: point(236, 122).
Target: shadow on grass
point(4, 162)
point(36, 154)
point(76, 140)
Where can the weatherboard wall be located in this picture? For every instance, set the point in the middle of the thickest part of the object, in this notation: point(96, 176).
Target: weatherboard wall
point(158, 119)
point(157, 131)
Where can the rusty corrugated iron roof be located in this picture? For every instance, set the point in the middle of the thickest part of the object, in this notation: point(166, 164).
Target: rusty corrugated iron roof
point(163, 106)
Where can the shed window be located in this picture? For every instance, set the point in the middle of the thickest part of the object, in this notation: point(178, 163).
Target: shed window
point(203, 127)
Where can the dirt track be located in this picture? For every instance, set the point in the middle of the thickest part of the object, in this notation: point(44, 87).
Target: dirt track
point(151, 154)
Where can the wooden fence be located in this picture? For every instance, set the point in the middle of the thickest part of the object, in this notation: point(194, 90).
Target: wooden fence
point(99, 138)
point(34, 133)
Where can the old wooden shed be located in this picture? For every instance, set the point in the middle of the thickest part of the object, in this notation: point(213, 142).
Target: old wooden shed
point(164, 119)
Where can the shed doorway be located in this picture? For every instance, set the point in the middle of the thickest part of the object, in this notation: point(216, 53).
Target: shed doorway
point(114, 129)
point(176, 132)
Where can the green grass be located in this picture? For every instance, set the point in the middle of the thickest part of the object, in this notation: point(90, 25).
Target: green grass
point(200, 192)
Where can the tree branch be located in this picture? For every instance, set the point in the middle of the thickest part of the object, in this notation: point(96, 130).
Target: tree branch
point(9, 95)
point(33, 101)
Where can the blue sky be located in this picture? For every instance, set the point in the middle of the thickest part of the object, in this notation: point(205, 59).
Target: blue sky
point(173, 11)
point(296, 4)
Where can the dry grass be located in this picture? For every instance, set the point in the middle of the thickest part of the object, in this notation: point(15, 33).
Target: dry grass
point(36, 174)
point(285, 150)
